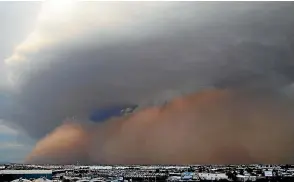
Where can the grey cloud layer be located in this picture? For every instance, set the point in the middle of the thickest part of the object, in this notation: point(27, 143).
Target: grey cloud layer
point(143, 51)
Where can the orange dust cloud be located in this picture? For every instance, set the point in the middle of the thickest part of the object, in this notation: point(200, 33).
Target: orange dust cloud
point(212, 126)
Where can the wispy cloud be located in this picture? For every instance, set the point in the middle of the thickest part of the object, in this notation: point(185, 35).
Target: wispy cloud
point(11, 145)
point(4, 129)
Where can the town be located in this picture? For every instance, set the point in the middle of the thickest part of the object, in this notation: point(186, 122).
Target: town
point(146, 173)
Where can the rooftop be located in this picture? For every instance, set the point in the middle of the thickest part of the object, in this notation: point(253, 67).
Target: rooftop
point(25, 171)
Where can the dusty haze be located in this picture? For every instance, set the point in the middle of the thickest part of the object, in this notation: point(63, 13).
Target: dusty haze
point(212, 126)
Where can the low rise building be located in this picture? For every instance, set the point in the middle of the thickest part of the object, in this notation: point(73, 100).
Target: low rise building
point(212, 176)
point(9, 175)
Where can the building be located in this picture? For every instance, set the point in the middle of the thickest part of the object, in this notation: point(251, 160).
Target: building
point(268, 173)
point(244, 178)
point(21, 180)
point(188, 176)
point(212, 176)
point(42, 180)
point(9, 175)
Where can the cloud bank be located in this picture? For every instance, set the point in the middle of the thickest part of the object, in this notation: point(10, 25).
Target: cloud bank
point(93, 55)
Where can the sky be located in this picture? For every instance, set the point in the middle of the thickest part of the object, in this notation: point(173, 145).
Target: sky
point(68, 69)
point(17, 19)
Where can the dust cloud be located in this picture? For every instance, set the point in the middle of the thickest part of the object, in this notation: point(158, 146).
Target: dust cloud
point(216, 126)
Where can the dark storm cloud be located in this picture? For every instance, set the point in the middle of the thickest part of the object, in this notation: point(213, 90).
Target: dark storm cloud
point(142, 52)
point(251, 64)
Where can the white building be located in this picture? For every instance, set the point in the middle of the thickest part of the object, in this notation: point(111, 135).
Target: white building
point(211, 176)
point(246, 178)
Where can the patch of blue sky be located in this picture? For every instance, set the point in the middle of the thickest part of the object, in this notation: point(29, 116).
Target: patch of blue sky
point(106, 113)
point(11, 150)
point(7, 137)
